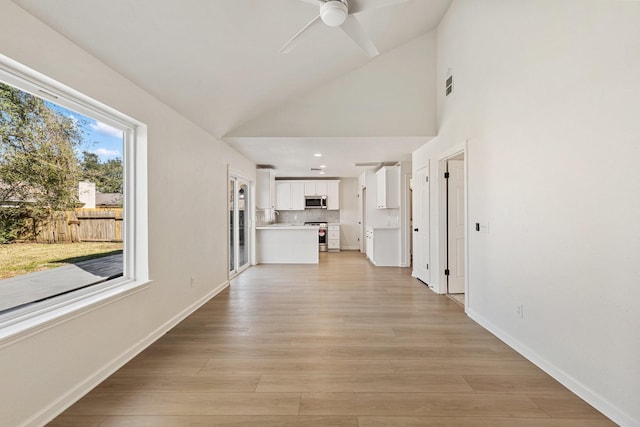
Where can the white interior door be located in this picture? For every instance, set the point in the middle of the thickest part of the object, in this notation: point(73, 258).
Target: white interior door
point(421, 233)
point(456, 224)
point(363, 227)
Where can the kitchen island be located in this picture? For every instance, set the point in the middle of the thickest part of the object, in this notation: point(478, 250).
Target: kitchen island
point(286, 244)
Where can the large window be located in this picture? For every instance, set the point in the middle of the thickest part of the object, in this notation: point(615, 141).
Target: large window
point(71, 197)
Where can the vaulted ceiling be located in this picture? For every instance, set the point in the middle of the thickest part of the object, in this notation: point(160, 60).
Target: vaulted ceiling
point(218, 63)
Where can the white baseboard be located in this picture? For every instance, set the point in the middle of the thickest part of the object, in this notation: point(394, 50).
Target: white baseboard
point(73, 395)
point(585, 393)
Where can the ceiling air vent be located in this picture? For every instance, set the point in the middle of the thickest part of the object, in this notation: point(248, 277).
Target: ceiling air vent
point(315, 169)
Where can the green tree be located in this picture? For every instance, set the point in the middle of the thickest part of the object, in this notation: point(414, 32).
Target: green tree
point(108, 175)
point(38, 167)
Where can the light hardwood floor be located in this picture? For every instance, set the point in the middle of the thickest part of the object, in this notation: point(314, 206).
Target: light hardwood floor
point(341, 343)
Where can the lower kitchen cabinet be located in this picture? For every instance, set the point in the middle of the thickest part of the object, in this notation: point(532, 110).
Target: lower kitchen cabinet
point(333, 242)
point(383, 245)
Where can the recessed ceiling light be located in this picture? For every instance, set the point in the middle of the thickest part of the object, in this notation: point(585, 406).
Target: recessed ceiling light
point(318, 154)
point(323, 166)
point(321, 172)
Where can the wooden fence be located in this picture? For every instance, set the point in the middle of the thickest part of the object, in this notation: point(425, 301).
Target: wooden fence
point(82, 225)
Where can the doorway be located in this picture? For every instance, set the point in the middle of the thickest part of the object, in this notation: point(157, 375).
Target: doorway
point(239, 236)
point(455, 227)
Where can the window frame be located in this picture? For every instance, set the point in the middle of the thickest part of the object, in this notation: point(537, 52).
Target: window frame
point(25, 321)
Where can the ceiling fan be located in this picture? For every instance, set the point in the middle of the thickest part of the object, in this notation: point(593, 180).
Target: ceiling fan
point(340, 13)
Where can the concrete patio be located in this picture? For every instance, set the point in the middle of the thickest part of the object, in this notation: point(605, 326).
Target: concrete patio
point(32, 287)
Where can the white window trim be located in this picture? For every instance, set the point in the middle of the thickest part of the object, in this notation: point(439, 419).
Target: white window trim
point(34, 318)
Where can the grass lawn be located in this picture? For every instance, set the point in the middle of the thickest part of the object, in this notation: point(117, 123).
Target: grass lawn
point(22, 258)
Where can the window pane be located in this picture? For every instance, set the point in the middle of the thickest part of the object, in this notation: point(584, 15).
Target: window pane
point(232, 246)
point(61, 200)
point(243, 229)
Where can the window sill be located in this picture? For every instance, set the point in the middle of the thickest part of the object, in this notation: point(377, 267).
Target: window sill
point(56, 312)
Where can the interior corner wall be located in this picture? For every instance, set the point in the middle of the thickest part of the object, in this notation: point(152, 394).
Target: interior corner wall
point(187, 174)
point(546, 95)
point(349, 231)
point(405, 214)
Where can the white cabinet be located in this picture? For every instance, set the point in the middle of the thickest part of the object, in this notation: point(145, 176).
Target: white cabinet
point(283, 196)
point(388, 187)
point(369, 242)
point(265, 189)
point(289, 196)
point(383, 246)
point(315, 188)
point(333, 195)
point(333, 240)
point(297, 196)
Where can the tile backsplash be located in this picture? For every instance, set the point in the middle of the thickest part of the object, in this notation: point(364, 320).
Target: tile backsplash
point(264, 217)
point(308, 215)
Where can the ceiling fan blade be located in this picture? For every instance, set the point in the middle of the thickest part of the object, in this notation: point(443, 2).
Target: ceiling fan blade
point(292, 41)
point(353, 29)
point(363, 5)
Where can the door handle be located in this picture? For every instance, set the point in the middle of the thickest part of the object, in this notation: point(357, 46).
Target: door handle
point(415, 229)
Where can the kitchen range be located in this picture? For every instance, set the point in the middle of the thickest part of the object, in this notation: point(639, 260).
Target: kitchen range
point(322, 234)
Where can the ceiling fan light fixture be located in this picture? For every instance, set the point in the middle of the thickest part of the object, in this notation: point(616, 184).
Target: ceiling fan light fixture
point(333, 13)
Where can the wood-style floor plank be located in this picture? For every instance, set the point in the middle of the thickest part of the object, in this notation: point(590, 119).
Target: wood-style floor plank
point(367, 421)
point(341, 343)
point(428, 404)
point(206, 421)
point(101, 402)
point(363, 382)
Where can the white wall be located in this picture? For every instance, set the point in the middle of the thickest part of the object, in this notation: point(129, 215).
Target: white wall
point(43, 373)
point(547, 94)
point(400, 82)
point(349, 214)
point(404, 214)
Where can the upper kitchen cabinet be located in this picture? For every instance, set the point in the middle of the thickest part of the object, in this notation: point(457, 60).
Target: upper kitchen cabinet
point(265, 189)
point(333, 195)
point(317, 188)
point(388, 187)
point(289, 196)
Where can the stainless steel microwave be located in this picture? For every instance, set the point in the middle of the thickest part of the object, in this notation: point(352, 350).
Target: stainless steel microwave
point(315, 202)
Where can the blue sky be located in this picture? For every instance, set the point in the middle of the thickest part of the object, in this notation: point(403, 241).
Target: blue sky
point(98, 137)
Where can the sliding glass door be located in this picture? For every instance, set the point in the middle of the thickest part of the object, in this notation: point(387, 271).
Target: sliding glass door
point(239, 236)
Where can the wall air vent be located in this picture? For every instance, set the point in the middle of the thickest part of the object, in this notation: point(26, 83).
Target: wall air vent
point(449, 84)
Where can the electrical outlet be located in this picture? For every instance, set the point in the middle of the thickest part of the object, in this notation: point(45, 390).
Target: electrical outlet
point(193, 282)
point(520, 311)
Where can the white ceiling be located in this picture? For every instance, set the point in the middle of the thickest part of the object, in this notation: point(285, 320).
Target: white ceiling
point(217, 61)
